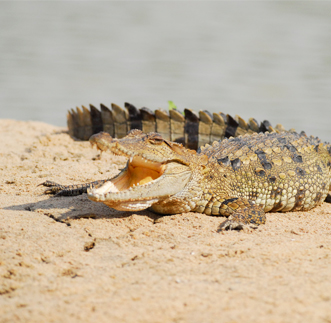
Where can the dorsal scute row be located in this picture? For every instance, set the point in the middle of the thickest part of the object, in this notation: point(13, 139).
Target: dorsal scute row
point(267, 148)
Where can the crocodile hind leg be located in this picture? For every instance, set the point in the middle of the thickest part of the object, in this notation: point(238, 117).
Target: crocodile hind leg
point(70, 190)
point(241, 213)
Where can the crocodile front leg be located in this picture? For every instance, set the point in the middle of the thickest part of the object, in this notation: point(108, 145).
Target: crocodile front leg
point(241, 213)
point(70, 190)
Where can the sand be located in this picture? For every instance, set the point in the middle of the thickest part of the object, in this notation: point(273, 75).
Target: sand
point(68, 259)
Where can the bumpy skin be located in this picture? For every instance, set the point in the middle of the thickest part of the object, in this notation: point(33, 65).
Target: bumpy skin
point(191, 129)
point(241, 178)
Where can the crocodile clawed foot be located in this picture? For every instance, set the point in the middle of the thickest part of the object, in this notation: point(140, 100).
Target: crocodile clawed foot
point(69, 190)
point(248, 217)
point(54, 188)
point(235, 225)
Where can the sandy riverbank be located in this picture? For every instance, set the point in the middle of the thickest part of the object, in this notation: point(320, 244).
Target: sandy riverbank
point(73, 260)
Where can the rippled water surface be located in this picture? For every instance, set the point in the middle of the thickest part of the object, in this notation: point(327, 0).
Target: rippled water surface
point(256, 59)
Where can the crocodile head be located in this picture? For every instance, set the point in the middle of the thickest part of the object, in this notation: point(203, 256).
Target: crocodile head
point(158, 173)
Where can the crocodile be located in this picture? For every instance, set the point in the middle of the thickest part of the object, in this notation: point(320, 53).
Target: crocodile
point(191, 129)
point(241, 178)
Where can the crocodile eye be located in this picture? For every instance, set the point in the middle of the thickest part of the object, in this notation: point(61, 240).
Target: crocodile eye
point(155, 138)
point(156, 141)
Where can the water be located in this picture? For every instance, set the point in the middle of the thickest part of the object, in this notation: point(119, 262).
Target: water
point(268, 60)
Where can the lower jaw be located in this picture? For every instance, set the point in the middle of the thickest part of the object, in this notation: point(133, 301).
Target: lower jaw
point(130, 205)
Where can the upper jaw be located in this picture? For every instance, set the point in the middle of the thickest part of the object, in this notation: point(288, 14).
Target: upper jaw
point(135, 146)
point(120, 150)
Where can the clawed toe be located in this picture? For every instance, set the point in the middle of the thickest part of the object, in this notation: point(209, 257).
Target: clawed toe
point(229, 225)
point(48, 184)
point(53, 187)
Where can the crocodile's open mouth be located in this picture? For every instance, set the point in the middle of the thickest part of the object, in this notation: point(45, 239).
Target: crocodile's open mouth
point(139, 171)
point(142, 183)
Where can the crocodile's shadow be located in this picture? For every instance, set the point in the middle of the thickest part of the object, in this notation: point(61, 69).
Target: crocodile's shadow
point(64, 209)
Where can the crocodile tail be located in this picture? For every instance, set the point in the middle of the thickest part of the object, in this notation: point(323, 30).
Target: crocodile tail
point(189, 128)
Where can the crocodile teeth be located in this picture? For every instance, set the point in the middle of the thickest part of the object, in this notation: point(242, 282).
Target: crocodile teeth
point(107, 187)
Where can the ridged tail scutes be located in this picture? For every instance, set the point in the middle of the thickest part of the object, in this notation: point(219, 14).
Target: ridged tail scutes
point(190, 128)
